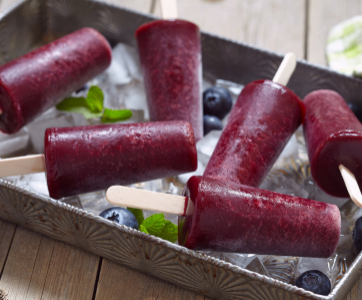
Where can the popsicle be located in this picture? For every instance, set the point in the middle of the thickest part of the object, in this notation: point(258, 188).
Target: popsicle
point(221, 216)
point(333, 136)
point(90, 158)
point(33, 83)
point(170, 55)
point(260, 124)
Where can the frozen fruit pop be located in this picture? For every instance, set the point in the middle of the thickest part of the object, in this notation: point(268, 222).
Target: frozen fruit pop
point(221, 216)
point(90, 158)
point(33, 83)
point(333, 136)
point(170, 55)
point(261, 122)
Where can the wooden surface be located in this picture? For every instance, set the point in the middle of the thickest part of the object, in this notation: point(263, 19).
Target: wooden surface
point(36, 267)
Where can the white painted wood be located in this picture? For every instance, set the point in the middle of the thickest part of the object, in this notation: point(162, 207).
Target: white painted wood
point(285, 69)
point(351, 185)
point(169, 9)
point(276, 25)
point(135, 198)
point(22, 165)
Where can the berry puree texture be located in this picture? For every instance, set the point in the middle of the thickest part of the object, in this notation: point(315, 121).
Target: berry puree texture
point(170, 55)
point(260, 124)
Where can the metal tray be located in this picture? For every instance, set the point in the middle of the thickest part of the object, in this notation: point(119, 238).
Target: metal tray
point(31, 23)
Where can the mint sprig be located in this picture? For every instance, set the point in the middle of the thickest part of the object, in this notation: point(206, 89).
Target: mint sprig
point(156, 225)
point(92, 107)
point(115, 115)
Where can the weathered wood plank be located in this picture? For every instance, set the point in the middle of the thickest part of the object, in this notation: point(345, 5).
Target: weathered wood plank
point(7, 231)
point(116, 282)
point(19, 265)
point(41, 268)
point(322, 16)
point(254, 22)
point(71, 275)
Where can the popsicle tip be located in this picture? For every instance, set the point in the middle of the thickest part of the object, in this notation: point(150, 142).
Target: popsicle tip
point(286, 69)
point(351, 185)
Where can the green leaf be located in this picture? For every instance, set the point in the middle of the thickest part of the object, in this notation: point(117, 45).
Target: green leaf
point(154, 224)
point(169, 232)
point(143, 229)
point(138, 213)
point(115, 115)
point(95, 99)
point(72, 104)
point(77, 105)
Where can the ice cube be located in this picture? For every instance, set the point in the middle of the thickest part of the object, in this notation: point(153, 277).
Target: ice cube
point(291, 148)
point(35, 183)
point(51, 118)
point(10, 143)
point(133, 97)
point(124, 66)
point(183, 178)
point(205, 147)
point(257, 266)
point(241, 260)
point(95, 202)
point(278, 182)
point(281, 267)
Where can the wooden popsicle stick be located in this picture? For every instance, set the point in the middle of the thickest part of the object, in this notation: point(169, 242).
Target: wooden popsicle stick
point(285, 69)
point(351, 185)
point(169, 9)
point(142, 199)
point(22, 165)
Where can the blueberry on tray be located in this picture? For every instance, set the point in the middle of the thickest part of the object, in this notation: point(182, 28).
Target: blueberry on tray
point(217, 102)
point(357, 234)
point(314, 281)
point(211, 123)
point(357, 110)
point(121, 216)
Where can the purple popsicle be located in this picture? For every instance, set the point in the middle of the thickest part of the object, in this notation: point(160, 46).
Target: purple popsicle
point(171, 62)
point(229, 217)
point(33, 83)
point(261, 122)
point(333, 136)
point(90, 158)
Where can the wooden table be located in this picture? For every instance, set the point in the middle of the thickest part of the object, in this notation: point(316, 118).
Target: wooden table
point(36, 267)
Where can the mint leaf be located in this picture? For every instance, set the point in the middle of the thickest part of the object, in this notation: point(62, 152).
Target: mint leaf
point(95, 99)
point(169, 232)
point(77, 105)
point(115, 115)
point(154, 224)
point(143, 229)
point(138, 213)
point(72, 104)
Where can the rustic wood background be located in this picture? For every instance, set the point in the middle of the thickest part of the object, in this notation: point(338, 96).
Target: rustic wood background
point(36, 267)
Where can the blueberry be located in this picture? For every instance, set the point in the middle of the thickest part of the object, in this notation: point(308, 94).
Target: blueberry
point(83, 88)
point(357, 110)
point(121, 216)
point(357, 234)
point(211, 123)
point(217, 102)
point(314, 281)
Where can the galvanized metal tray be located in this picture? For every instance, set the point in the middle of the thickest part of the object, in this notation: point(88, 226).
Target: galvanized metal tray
point(31, 23)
